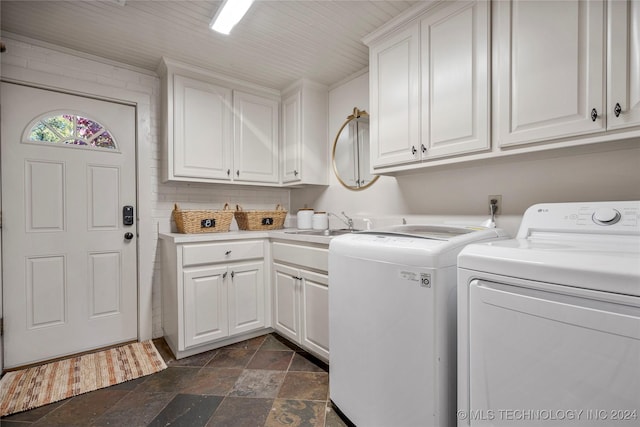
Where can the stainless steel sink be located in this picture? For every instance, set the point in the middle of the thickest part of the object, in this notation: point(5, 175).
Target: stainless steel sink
point(329, 233)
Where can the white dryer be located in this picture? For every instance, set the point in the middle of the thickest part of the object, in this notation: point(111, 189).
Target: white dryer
point(549, 322)
point(392, 301)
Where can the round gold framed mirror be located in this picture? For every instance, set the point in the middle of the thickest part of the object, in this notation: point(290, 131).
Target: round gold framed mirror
point(350, 155)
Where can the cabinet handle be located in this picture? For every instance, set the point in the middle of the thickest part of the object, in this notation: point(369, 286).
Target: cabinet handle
point(617, 109)
point(424, 149)
point(594, 115)
point(295, 173)
point(224, 276)
point(228, 172)
point(233, 274)
point(238, 172)
point(227, 253)
point(413, 149)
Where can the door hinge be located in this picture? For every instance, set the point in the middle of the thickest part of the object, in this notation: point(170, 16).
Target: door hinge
point(1, 326)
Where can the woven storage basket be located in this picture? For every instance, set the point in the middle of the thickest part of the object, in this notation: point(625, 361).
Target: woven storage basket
point(260, 220)
point(202, 221)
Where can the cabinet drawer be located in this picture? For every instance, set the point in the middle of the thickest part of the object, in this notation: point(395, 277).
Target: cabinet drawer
point(316, 258)
point(207, 253)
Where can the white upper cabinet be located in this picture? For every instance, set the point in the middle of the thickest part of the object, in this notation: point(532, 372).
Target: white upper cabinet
point(291, 141)
point(305, 141)
point(454, 51)
point(460, 81)
point(256, 138)
point(429, 84)
point(202, 132)
point(394, 124)
point(218, 129)
point(563, 71)
point(623, 65)
point(549, 70)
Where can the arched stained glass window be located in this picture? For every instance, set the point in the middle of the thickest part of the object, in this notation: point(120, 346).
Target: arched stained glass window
point(71, 129)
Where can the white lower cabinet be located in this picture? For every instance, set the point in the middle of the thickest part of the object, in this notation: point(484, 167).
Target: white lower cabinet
point(212, 292)
point(205, 305)
point(315, 312)
point(301, 296)
point(222, 301)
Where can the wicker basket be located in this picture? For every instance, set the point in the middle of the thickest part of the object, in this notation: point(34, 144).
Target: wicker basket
point(260, 220)
point(202, 221)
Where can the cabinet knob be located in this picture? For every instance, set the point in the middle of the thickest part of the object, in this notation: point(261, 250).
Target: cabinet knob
point(424, 149)
point(413, 149)
point(238, 172)
point(617, 109)
point(228, 172)
point(224, 275)
point(227, 252)
point(594, 115)
point(233, 274)
point(295, 173)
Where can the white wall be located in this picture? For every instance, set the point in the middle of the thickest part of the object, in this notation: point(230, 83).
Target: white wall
point(462, 190)
point(384, 196)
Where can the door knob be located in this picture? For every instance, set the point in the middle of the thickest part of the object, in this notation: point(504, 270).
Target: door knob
point(128, 235)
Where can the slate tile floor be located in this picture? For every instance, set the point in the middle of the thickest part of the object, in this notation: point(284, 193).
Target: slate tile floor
point(264, 381)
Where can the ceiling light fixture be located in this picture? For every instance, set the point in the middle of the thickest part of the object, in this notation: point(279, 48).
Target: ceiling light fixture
point(229, 14)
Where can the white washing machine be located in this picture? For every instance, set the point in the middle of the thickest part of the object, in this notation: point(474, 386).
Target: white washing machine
point(549, 322)
point(392, 301)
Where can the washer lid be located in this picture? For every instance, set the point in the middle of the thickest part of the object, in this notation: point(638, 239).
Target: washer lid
point(419, 245)
point(597, 262)
point(428, 231)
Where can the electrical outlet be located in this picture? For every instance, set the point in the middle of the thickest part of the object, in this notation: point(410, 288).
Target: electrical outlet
point(498, 198)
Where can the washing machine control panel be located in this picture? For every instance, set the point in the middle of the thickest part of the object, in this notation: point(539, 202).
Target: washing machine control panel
point(616, 217)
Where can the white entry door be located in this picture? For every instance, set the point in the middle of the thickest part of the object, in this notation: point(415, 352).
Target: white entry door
point(69, 262)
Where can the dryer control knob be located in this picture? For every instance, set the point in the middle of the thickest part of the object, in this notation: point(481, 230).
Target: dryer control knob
point(606, 216)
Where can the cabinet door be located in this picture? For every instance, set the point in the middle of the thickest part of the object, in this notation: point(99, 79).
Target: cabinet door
point(205, 305)
point(394, 89)
point(291, 138)
point(623, 72)
point(286, 301)
point(246, 297)
point(256, 138)
point(202, 130)
point(315, 309)
point(455, 79)
point(548, 69)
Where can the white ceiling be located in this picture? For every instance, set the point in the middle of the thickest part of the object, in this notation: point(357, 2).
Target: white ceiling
point(277, 42)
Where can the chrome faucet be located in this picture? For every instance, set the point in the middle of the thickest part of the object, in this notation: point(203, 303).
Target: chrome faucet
point(346, 220)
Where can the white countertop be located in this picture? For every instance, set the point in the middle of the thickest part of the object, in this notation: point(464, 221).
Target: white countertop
point(282, 234)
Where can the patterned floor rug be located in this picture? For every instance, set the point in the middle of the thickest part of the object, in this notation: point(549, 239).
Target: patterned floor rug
point(40, 385)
